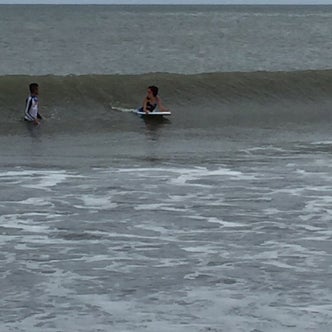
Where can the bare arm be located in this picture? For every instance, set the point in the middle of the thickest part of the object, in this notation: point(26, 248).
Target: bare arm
point(145, 103)
point(161, 107)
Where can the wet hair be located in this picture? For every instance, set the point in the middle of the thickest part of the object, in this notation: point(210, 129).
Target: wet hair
point(154, 90)
point(33, 87)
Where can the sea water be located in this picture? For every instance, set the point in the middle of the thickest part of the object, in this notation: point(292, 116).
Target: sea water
point(217, 218)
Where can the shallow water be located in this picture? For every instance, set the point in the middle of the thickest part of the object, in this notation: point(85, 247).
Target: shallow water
point(241, 243)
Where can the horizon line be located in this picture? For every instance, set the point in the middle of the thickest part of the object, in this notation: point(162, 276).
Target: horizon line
point(165, 4)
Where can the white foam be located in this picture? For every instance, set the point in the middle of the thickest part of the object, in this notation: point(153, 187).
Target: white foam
point(38, 230)
point(96, 202)
point(181, 198)
point(202, 173)
point(47, 180)
point(204, 249)
point(264, 148)
point(193, 249)
point(153, 228)
point(124, 110)
point(38, 179)
point(271, 211)
point(18, 173)
point(169, 262)
point(149, 207)
point(224, 223)
point(322, 143)
point(180, 289)
point(36, 201)
point(187, 173)
point(319, 209)
point(192, 276)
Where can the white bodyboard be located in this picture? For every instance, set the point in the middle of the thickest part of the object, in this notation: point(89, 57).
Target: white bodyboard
point(154, 113)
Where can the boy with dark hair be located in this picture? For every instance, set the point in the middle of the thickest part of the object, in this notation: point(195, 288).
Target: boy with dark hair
point(31, 112)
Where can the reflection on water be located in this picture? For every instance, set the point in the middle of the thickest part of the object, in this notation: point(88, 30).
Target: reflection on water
point(154, 124)
point(33, 130)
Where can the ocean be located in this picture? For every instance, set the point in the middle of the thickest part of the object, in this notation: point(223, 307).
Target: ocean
point(217, 218)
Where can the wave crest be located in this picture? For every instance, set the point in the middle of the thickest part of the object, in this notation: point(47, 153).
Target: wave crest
point(222, 96)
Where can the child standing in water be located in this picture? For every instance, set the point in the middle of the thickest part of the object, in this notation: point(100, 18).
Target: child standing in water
point(152, 101)
point(31, 112)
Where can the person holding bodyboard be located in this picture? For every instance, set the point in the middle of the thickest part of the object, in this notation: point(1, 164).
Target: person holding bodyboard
point(152, 103)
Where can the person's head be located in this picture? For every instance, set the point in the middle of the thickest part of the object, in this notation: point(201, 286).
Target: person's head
point(154, 90)
point(34, 88)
